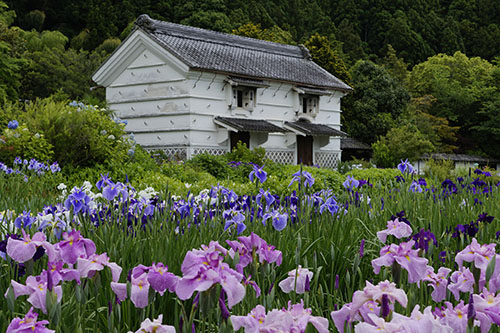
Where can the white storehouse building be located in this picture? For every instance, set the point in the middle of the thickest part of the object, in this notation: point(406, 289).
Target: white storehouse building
point(187, 91)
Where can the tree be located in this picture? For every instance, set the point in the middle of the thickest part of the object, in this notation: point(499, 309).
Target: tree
point(462, 87)
point(328, 58)
point(273, 34)
point(377, 102)
point(402, 142)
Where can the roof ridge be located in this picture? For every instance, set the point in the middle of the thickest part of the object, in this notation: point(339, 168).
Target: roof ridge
point(180, 30)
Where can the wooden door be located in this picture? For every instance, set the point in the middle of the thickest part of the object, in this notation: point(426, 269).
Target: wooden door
point(244, 137)
point(304, 149)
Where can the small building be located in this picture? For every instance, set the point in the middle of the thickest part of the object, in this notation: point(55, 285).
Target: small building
point(352, 148)
point(459, 161)
point(187, 91)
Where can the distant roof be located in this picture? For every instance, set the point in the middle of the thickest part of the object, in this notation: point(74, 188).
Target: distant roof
point(307, 128)
point(350, 143)
point(248, 125)
point(460, 158)
point(230, 54)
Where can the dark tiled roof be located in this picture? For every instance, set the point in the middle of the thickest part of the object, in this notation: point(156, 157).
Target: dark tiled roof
point(350, 143)
point(247, 82)
point(219, 52)
point(307, 128)
point(314, 91)
point(460, 158)
point(249, 125)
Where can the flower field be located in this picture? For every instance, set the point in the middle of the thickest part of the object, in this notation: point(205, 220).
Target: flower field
point(407, 255)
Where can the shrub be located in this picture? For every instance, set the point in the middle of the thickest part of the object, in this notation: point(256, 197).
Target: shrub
point(81, 135)
point(212, 164)
point(25, 144)
point(438, 169)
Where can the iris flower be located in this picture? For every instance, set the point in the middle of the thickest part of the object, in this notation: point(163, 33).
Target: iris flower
point(22, 250)
point(155, 326)
point(259, 173)
point(296, 280)
point(405, 256)
point(396, 229)
point(28, 324)
point(278, 220)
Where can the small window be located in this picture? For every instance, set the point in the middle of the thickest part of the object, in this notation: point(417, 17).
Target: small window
point(310, 104)
point(244, 97)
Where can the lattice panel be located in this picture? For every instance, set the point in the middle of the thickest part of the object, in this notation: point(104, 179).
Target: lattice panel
point(327, 160)
point(209, 150)
point(280, 156)
point(175, 153)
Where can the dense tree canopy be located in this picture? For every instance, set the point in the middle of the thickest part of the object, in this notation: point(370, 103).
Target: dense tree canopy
point(444, 54)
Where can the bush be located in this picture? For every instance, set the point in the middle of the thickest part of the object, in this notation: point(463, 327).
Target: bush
point(438, 169)
point(212, 164)
point(80, 135)
point(25, 144)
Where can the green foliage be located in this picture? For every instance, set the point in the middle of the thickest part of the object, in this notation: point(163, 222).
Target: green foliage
point(463, 87)
point(438, 169)
point(24, 143)
point(80, 136)
point(273, 34)
point(377, 102)
point(328, 58)
point(212, 164)
point(404, 142)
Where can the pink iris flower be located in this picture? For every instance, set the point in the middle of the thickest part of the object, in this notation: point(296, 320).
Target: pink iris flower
point(155, 326)
point(205, 267)
point(28, 324)
point(349, 312)
point(158, 277)
point(296, 280)
point(455, 317)
point(22, 250)
point(395, 228)
point(74, 246)
point(139, 290)
point(479, 254)
point(293, 319)
point(438, 281)
point(461, 281)
point(405, 256)
point(247, 246)
point(36, 288)
point(87, 267)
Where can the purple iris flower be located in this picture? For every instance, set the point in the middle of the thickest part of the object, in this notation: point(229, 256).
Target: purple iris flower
point(270, 199)
point(105, 180)
point(24, 220)
point(74, 246)
point(415, 187)
point(28, 324)
point(306, 176)
point(236, 218)
point(202, 268)
point(247, 246)
point(278, 220)
point(331, 205)
point(405, 167)
point(259, 173)
point(485, 218)
point(79, 200)
point(423, 238)
point(55, 167)
point(13, 124)
point(350, 183)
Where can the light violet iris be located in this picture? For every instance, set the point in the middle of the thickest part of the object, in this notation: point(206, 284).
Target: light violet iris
point(74, 246)
point(158, 277)
point(296, 280)
point(349, 312)
point(87, 267)
point(479, 254)
point(28, 324)
point(205, 267)
point(155, 326)
point(22, 250)
point(293, 319)
point(405, 256)
point(396, 229)
point(246, 246)
point(438, 281)
point(36, 288)
point(461, 281)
